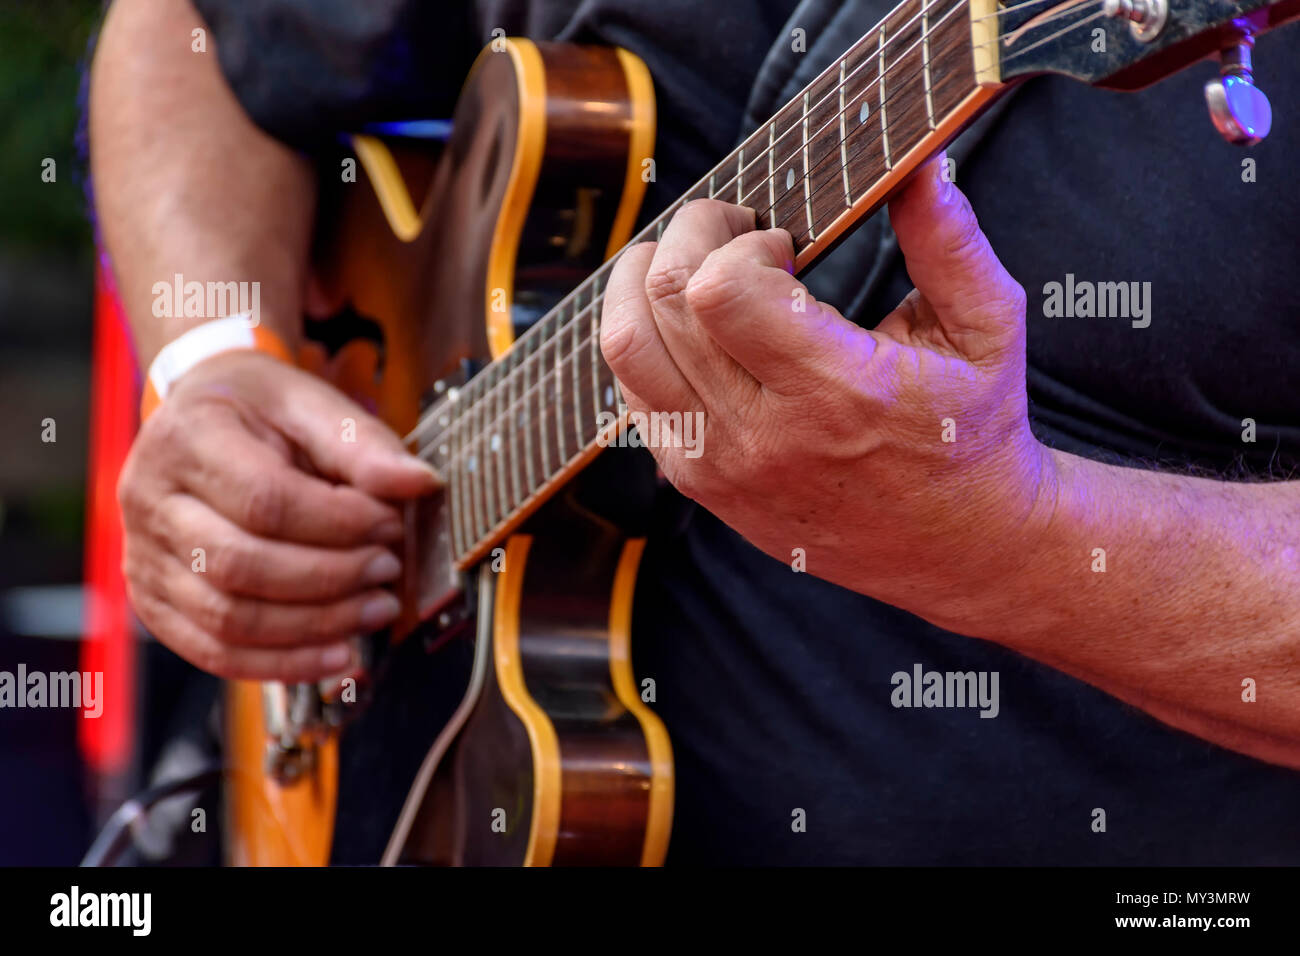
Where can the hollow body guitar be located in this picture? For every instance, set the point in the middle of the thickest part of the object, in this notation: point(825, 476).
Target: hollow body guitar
point(552, 757)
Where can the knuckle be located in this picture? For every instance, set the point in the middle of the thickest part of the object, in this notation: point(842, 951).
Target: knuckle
point(221, 617)
point(697, 207)
point(166, 428)
point(621, 343)
point(263, 507)
point(965, 237)
point(666, 284)
point(231, 566)
point(714, 288)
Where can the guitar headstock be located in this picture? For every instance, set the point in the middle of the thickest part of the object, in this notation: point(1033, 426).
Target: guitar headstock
point(1128, 44)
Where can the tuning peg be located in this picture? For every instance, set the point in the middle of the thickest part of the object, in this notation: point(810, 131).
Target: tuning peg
point(1146, 17)
point(1238, 109)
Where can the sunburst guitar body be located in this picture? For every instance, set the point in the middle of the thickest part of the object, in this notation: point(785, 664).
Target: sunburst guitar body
point(435, 258)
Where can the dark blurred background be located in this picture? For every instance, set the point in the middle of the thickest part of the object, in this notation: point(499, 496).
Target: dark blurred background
point(47, 800)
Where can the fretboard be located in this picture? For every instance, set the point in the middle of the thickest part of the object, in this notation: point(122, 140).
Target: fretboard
point(531, 419)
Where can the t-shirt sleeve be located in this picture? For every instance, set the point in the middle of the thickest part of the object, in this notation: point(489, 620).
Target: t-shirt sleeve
point(306, 70)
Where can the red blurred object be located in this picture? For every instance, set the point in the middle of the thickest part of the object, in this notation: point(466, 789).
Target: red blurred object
point(109, 644)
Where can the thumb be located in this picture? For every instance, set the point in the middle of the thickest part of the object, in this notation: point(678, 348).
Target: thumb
point(980, 306)
point(345, 442)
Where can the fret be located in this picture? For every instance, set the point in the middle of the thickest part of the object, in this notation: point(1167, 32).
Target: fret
point(513, 421)
point(866, 162)
point(712, 179)
point(526, 423)
point(454, 474)
point(807, 183)
point(909, 121)
point(539, 397)
point(952, 80)
point(844, 146)
point(579, 417)
point(486, 453)
point(925, 57)
point(474, 472)
point(953, 73)
point(728, 181)
point(466, 485)
point(788, 211)
point(497, 443)
point(771, 172)
point(880, 83)
point(596, 303)
point(823, 147)
point(481, 450)
point(740, 177)
point(556, 373)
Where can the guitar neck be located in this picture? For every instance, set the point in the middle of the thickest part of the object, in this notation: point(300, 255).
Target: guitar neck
point(828, 159)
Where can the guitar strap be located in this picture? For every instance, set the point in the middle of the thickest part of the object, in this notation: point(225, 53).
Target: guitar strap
point(815, 36)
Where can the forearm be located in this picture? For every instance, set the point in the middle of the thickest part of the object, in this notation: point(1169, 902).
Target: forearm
point(1200, 591)
point(184, 182)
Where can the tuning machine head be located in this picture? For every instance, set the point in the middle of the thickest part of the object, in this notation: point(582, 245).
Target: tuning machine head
point(1239, 110)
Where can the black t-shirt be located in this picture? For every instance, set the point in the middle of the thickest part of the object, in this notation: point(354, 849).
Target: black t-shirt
point(776, 687)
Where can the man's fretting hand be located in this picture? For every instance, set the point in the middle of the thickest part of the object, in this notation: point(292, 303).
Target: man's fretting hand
point(895, 458)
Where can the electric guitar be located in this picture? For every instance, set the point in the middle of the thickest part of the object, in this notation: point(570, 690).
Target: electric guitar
point(475, 282)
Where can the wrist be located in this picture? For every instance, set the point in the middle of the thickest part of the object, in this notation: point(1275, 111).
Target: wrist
point(1009, 548)
point(201, 343)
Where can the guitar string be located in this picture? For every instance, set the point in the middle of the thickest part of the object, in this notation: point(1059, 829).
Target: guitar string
point(485, 489)
point(538, 355)
point(557, 369)
point(926, 33)
point(576, 293)
point(548, 375)
point(497, 486)
point(507, 424)
point(1015, 6)
point(1058, 33)
point(415, 434)
point(431, 418)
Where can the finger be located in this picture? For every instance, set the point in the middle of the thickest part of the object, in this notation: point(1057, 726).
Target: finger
point(630, 340)
point(745, 297)
point(980, 306)
point(250, 483)
point(345, 442)
point(696, 230)
point(240, 563)
point(206, 652)
point(257, 623)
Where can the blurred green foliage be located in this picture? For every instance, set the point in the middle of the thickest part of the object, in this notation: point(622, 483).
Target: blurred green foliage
point(44, 47)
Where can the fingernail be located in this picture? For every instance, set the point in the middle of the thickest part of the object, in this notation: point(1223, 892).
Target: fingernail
point(387, 531)
point(380, 610)
point(384, 567)
point(419, 464)
point(336, 657)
